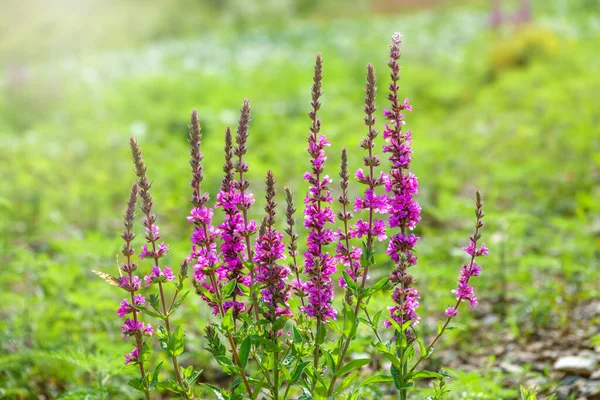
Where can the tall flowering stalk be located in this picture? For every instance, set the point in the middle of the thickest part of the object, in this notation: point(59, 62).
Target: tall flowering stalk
point(464, 292)
point(204, 250)
point(370, 202)
point(245, 199)
point(204, 245)
point(297, 286)
point(133, 327)
point(233, 245)
point(152, 249)
point(372, 228)
point(246, 284)
point(319, 265)
point(270, 275)
point(236, 229)
point(347, 255)
point(402, 186)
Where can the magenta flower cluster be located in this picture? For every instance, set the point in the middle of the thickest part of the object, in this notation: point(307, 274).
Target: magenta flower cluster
point(464, 291)
point(131, 283)
point(319, 265)
point(269, 250)
point(402, 186)
point(247, 275)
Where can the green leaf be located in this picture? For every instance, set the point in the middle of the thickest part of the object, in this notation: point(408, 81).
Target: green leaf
point(297, 337)
point(171, 385)
point(376, 318)
point(227, 365)
point(398, 382)
point(154, 376)
point(349, 322)
point(137, 383)
point(329, 361)
point(217, 392)
point(270, 346)
point(352, 365)
point(150, 313)
point(345, 384)
point(175, 345)
point(352, 284)
point(377, 379)
point(408, 354)
point(146, 351)
point(228, 322)
point(334, 327)
point(380, 347)
point(245, 351)
point(422, 347)
point(279, 323)
point(229, 288)
point(426, 375)
point(395, 325)
point(321, 332)
point(178, 302)
point(154, 300)
point(288, 359)
point(376, 287)
point(297, 373)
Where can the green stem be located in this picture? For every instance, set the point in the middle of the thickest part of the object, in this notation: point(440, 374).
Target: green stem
point(275, 376)
point(289, 385)
point(316, 355)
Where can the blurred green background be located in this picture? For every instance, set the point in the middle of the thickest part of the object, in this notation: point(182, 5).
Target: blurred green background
point(511, 110)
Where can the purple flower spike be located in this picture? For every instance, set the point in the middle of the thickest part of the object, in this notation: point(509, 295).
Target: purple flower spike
point(347, 255)
point(464, 291)
point(204, 249)
point(132, 328)
point(269, 249)
point(157, 275)
point(319, 265)
point(401, 186)
point(132, 357)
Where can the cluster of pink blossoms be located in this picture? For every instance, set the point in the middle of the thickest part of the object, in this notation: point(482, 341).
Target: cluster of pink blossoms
point(269, 249)
point(402, 186)
point(132, 284)
point(319, 265)
point(464, 291)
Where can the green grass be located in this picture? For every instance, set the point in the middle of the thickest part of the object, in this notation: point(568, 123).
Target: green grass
point(513, 113)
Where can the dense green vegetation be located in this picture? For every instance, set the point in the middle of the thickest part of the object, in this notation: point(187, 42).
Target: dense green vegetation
point(512, 112)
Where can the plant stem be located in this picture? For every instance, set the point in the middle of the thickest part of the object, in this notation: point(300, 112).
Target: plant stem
point(458, 302)
point(167, 324)
point(236, 357)
point(316, 354)
point(289, 385)
point(276, 375)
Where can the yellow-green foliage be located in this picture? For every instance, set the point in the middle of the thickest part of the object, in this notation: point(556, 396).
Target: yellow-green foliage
point(522, 46)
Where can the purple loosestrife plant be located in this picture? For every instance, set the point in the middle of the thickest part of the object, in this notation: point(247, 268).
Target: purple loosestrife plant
point(270, 275)
point(404, 210)
point(287, 333)
point(319, 265)
point(171, 340)
point(347, 255)
point(132, 284)
point(207, 282)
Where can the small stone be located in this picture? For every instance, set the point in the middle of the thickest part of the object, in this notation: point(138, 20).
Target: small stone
point(569, 380)
point(490, 319)
point(595, 375)
point(511, 368)
point(575, 365)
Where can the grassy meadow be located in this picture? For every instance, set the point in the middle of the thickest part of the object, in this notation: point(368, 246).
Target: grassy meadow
point(510, 111)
